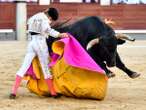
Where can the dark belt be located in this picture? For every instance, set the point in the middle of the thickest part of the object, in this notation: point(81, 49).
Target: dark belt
point(33, 33)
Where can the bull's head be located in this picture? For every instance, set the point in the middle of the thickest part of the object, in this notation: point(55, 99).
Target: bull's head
point(106, 47)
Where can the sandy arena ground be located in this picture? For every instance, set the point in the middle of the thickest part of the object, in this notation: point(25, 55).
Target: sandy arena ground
point(123, 93)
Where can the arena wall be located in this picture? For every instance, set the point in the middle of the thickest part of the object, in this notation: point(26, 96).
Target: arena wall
point(125, 16)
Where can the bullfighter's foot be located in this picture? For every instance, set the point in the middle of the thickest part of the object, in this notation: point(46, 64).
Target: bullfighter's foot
point(12, 96)
point(58, 95)
point(110, 75)
point(134, 75)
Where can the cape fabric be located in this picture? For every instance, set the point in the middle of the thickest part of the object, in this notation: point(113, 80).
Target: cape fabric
point(74, 72)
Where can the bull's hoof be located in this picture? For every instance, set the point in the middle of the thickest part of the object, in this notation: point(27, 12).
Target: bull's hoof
point(111, 75)
point(134, 75)
point(12, 96)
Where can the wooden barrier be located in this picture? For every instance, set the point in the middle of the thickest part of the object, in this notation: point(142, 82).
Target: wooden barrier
point(7, 15)
point(125, 16)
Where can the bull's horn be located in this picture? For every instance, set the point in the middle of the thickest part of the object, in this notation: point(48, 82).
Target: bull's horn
point(124, 36)
point(92, 42)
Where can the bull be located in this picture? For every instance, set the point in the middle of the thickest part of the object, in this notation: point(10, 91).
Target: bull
point(100, 41)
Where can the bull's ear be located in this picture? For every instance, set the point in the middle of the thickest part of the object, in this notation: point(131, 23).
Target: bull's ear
point(120, 41)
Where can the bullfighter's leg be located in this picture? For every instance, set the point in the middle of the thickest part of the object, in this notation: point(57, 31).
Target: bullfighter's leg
point(41, 50)
point(21, 72)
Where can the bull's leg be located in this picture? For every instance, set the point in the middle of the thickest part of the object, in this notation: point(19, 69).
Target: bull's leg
point(121, 66)
point(101, 64)
point(107, 71)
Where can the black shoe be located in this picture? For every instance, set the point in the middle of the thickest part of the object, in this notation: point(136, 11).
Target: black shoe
point(12, 96)
point(58, 95)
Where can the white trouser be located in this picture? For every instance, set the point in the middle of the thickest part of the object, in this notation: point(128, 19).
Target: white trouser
point(36, 47)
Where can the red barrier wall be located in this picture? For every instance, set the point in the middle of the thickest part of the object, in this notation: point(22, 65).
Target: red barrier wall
point(125, 16)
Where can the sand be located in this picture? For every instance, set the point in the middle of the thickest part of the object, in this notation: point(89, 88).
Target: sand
point(123, 93)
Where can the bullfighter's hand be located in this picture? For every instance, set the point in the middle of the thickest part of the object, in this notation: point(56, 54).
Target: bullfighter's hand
point(63, 35)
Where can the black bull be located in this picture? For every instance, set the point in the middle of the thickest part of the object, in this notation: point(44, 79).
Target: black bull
point(100, 41)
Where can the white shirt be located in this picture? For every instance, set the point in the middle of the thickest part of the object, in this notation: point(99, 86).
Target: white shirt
point(40, 23)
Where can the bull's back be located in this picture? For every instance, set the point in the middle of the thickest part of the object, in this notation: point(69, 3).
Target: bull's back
point(88, 28)
point(88, 21)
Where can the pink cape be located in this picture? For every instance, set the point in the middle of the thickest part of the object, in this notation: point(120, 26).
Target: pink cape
point(75, 55)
